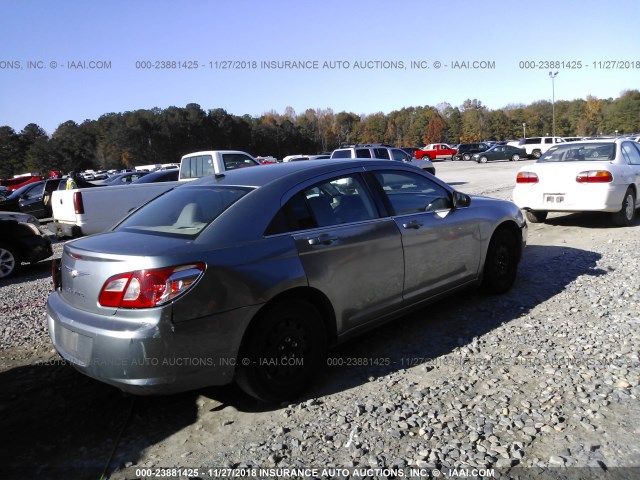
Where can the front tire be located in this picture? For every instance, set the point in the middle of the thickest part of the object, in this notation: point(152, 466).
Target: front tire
point(535, 216)
point(537, 154)
point(466, 156)
point(627, 212)
point(9, 261)
point(483, 159)
point(515, 157)
point(282, 352)
point(501, 264)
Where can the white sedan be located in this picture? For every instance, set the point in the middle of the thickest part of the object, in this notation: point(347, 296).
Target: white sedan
point(599, 175)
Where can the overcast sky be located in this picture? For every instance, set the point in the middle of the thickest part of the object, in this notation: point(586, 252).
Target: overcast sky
point(75, 60)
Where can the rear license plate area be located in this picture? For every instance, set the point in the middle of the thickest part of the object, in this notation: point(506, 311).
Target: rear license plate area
point(553, 198)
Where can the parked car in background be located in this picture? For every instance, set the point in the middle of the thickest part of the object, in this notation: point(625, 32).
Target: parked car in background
point(19, 181)
point(436, 151)
point(465, 151)
point(211, 162)
point(500, 152)
point(170, 175)
point(123, 178)
point(382, 151)
point(35, 198)
point(536, 146)
point(297, 158)
point(270, 265)
point(269, 160)
point(598, 175)
point(21, 241)
point(411, 150)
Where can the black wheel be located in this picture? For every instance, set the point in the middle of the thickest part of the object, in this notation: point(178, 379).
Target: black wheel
point(627, 212)
point(282, 352)
point(9, 261)
point(483, 159)
point(515, 157)
point(535, 216)
point(501, 264)
point(537, 154)
point(454, 158)
point(466, 156)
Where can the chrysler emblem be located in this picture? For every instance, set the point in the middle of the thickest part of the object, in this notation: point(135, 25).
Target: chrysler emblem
point(75, 273)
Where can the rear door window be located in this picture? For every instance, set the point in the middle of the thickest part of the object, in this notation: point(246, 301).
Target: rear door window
point(334, 202)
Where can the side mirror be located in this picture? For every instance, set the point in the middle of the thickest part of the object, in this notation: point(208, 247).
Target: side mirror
point(461, 200)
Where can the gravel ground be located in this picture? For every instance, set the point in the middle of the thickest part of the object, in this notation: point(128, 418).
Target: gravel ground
point(542, 382)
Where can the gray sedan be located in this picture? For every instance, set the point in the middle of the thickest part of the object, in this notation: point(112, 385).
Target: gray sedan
point(250, 275)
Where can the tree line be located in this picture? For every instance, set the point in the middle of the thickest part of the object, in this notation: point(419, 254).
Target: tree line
point(142, 137)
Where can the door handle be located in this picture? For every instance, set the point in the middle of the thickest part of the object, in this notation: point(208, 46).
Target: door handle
point(324, 239)
point(415, 224)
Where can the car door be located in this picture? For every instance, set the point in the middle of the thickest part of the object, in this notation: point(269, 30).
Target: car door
point(348, 251)
point(441, 243)
point(31, 201)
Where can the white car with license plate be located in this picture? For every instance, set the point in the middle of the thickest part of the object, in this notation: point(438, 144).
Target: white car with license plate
point(598, 175)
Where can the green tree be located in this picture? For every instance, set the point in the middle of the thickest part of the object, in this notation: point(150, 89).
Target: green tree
point(11, 161)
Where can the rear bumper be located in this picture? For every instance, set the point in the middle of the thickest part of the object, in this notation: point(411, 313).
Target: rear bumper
point(579, 198)
point(151, 355)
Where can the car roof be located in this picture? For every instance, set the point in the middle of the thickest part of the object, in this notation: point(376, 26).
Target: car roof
point(272, 186)
point(294, 171)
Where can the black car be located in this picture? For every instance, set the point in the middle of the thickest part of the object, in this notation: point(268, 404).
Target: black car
point(466, 150)
point(159, 176)
point(411, 150)
point(21, 242)
point(123, 178)
point(35, 198)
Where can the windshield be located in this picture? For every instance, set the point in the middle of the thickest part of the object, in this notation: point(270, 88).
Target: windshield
point(17, 193)
point(577, 152)
point(182, 212)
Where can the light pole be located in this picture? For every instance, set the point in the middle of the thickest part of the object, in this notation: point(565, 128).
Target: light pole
point(553, 76)
point(524, 130)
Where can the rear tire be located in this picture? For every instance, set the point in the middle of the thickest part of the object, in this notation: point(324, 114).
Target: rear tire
point(627, 212)
point(535, 216)
point(9, 261)
point(282, 352)
point(501, 264)
point(466, 156)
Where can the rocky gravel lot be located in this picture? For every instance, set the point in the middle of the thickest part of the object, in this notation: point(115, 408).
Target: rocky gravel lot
point(542, 382)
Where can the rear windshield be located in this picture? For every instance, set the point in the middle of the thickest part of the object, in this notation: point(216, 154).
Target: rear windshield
point(341, 154)
point(577, 152)
point(182, 212)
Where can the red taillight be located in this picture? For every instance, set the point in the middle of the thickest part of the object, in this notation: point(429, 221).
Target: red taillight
point(594, 176)
point(78, 206)
point(149, 288)
point(526, 177)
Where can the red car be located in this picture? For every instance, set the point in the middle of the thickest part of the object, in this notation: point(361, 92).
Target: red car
point(436, 151)
point(16, 182)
